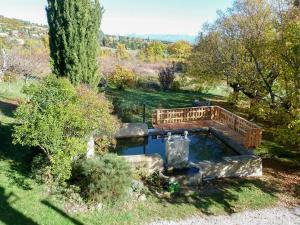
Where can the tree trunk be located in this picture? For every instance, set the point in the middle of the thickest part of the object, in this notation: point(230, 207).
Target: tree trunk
point(4, 65)
point(236, 94)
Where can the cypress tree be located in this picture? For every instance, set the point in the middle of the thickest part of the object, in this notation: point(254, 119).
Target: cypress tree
point(74, 30)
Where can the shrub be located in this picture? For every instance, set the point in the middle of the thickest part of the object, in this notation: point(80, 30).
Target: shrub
point(166, 77)
point(156, 183)
point(180, 51)
point(138, 189)
point(121, 52)
point(289, 133)
point(41, 169)
point(176, 85)
point(128, 111)
point(105, 179)
point(174, 187)
point(154, 52)
point(147, 83)
point(70, 195)
point(10, 77)
point(122, 77)
point(59, 118)
point(106, 52)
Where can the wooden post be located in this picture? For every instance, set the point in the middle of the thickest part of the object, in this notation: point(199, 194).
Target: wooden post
point(234, 123)
point(144, 113)
point(247, 139)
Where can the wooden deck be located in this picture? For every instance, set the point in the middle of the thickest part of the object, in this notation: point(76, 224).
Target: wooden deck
point(238, 138)
point(237, 128)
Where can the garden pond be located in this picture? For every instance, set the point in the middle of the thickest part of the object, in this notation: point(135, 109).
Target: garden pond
point(202, 147)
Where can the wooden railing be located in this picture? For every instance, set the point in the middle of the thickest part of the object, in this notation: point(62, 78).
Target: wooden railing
point(251, 132)
point(181, 115)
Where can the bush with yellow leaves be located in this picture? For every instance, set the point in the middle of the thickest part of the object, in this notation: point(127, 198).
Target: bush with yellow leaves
point(122, 77)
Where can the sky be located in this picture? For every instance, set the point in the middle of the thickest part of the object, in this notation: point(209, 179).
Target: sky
point(133, 16)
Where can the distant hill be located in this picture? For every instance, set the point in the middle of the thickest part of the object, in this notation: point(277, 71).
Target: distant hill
point(166, 37)
point(15, 29)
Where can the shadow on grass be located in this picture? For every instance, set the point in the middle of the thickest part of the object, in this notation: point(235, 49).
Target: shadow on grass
point(62, 213)
point(283, 156)
point(8, 214)
point(7, 108)
point(16, 157)
point(226, 195)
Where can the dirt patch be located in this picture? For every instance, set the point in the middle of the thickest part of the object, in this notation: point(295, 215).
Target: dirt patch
point(285, 178)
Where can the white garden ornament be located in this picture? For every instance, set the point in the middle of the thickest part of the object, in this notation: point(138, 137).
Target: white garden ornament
point(177, 151)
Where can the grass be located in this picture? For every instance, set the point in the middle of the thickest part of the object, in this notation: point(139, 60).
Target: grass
point(23, 201)
point(12, 90)
point(270, 149)
point(131, 101)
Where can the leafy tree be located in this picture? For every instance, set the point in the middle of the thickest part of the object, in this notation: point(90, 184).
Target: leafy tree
point(155, 51)
point(287, 49)
point(74, 29)
point(241, 47)
point(255, 47)
point(180, 50)
point(121, 52)
point(59, 118)
point(288, 132)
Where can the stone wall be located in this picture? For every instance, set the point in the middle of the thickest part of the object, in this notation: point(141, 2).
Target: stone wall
point(237, 166)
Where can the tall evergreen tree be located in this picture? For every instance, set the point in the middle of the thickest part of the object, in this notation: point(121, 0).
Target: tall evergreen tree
point(74, 30)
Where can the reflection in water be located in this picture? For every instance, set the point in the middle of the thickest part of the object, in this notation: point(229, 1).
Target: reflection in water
point(202, 147)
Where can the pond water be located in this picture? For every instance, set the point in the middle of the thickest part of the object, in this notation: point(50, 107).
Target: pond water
point(202, 147)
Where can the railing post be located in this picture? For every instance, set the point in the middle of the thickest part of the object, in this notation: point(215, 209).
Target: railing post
point(247, 139)
point(144, 113)
point(234, 123)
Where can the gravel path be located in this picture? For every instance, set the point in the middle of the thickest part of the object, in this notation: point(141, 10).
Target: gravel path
point(274, 216)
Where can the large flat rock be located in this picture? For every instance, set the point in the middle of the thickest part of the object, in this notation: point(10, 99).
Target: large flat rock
point(149, 163)
point(129, 130)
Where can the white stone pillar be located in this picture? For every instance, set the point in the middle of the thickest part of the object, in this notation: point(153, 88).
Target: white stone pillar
point(177, 151)
point(90, 148)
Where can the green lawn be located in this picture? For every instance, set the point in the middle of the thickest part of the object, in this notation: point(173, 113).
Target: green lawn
point(12, 90)
point(25, 202)
point(130, 101)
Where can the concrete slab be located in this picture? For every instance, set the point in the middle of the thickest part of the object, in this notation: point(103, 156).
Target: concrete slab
point(129, 130)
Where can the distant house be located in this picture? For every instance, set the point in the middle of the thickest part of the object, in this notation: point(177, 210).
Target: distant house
point(15, 33)
point(20, 41)
point(3, 35)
